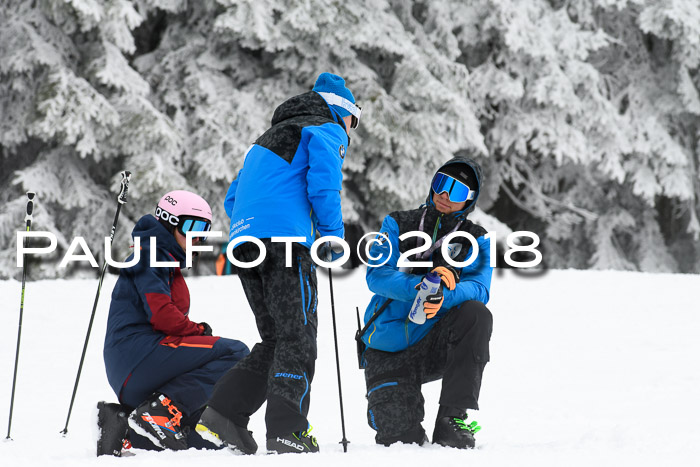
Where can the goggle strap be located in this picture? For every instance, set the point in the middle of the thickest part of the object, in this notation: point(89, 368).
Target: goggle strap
point(334, 99)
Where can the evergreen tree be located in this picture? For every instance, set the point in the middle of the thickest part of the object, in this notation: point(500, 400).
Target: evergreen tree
point(584, 114)
point(590, 117)
point(65, 88)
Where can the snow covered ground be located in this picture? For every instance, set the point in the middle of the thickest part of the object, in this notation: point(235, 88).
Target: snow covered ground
point(587, 368)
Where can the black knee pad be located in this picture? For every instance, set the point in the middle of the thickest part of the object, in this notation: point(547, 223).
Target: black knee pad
point(471, 313)
point(482, 337)
point(470, 328)
point(484, 315)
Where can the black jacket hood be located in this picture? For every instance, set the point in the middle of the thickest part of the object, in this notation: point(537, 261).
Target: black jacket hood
point(307, 104)
point(471, 205)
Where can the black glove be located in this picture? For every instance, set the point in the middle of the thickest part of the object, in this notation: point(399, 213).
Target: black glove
point(205, 328)
point(330, 251)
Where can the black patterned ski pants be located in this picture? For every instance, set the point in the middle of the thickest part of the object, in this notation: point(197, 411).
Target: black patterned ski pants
point(456, 350)
point(280, 368)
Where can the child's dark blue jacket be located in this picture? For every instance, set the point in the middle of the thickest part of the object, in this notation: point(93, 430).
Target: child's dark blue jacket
point(149, 305)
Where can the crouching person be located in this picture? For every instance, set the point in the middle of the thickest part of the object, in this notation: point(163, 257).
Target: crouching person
point(452, 343)
point(161, 364)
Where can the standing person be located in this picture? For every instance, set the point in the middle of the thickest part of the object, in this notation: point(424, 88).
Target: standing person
point(289, 186)
point(157, 359)
point(453, 342)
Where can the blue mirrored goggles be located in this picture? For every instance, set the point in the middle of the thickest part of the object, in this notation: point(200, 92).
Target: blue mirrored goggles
point(193, 224)
point(456, 190)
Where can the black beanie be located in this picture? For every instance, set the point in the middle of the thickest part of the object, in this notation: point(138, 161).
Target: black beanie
point(462, 172)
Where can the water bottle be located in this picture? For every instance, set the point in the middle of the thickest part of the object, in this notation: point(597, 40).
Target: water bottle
point(428, 286)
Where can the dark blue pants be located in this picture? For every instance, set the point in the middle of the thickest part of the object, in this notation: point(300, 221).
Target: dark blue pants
point(186, 372)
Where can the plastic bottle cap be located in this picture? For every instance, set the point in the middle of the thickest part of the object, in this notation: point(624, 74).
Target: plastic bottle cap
point(433, 277)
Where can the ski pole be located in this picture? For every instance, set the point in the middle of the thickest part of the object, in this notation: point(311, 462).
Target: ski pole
point(28, 220)
point(121, 199)
point(344, 441)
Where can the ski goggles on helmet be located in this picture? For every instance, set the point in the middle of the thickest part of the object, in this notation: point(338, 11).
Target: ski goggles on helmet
point(355, 110)
point(355, 120)
point(193, 224)
point(456, 190)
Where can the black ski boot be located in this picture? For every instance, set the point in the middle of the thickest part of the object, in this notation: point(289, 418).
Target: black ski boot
point(413, 436)
point(453, 431)
point(158, 419)
point(113, 427)
point(221, 431)
point(299, 442)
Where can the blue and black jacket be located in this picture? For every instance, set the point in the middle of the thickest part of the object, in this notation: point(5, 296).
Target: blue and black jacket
point(291, 178)
point(150, 306)
point(392, 331)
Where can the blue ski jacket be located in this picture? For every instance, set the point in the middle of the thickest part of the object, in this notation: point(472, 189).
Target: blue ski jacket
point(150, 305)
point(392, 331)
point(291, 178)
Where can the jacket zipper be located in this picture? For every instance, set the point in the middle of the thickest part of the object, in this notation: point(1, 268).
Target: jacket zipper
point(301, 286)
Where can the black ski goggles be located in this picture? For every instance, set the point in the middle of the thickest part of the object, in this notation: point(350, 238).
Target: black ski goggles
point(355, 120)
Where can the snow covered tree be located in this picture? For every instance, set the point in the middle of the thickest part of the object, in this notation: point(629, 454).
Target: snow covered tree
point(584, 114)
point(64, 82)
point(590, 114)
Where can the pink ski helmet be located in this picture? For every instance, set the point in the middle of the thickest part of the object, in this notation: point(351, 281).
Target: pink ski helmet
point(184, 211)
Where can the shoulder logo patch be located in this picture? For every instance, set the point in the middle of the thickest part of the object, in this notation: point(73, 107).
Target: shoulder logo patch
point(454, 249)
point(341, 151)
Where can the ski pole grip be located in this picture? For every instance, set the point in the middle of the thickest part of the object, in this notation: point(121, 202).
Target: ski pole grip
point(126, 175)
point(30, 205)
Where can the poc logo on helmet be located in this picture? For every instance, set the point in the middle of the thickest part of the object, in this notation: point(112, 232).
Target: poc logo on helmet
point(171, 200)
point(166, 216)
